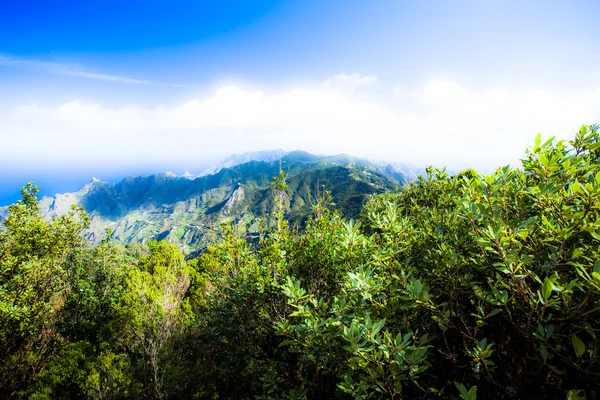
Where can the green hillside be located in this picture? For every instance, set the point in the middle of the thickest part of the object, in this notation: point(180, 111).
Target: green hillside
point(188, 212)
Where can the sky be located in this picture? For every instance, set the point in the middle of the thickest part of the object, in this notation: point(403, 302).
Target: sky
point(113, 88)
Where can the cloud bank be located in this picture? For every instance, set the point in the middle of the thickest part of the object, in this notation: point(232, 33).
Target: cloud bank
point(442, 123)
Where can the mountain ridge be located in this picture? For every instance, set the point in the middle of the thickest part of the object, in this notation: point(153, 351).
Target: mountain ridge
point(185, 210)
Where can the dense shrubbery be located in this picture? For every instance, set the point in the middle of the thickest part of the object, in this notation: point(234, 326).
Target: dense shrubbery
point(455, 287)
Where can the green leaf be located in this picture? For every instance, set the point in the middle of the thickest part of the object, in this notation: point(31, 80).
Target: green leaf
point(597, 266)
point(540, 330)
point(556, 370)
point(527, 222)
point(549, 331)
point(462, 390)
point(547, 142)
point(538, 140)
point(471, 394)
point(547, 289)
point(576, 394)
point(578, 345)
point(544, 353)
point(377, 327)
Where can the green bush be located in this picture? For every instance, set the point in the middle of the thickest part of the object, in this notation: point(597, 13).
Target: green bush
point(455, 287)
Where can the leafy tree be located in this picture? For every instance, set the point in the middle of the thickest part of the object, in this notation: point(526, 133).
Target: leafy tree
point(78, 370)
point(154, 312)
point(35, 260)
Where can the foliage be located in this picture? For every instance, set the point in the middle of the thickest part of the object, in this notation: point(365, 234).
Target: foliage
point(459, 286)
point(35, 256)
point(154, 312)
point(509, 264)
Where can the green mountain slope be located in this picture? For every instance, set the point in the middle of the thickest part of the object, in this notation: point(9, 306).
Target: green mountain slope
point(188, 212)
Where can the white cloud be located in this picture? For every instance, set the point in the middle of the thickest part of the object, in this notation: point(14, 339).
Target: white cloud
point(65, 69)
point(442, 123)
point(348, 82)
point(443, 93)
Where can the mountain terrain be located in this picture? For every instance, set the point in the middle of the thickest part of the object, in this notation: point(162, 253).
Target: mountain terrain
point(237, 159)
point(187, 211)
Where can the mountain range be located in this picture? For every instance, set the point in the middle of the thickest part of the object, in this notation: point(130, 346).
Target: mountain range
point(188, 210)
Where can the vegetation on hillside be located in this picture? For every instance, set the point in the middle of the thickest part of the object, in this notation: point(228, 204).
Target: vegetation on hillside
point(458, 286)
point(188, 212)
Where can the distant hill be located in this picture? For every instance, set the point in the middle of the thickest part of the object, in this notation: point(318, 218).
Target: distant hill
point(237, 159)
point(188, 211)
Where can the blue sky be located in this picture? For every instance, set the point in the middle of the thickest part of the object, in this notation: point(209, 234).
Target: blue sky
point(114, 88)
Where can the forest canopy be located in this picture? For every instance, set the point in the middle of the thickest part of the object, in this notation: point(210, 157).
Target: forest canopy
point(457, 286)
